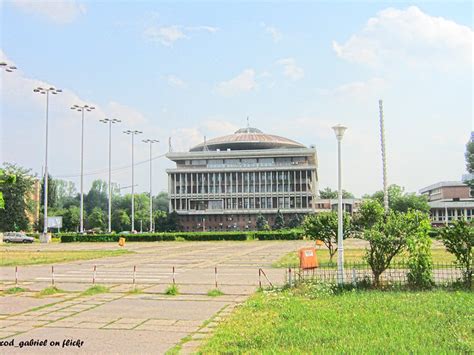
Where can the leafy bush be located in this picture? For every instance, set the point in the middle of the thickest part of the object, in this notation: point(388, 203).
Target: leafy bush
point(420, 261)
point(189, 236)
point(458, 238)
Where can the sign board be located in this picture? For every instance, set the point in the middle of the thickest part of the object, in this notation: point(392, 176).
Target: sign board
point(55, 222)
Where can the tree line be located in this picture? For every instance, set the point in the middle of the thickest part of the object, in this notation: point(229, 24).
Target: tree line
point(17, 189)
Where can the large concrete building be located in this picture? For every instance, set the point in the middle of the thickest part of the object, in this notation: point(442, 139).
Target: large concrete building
point(226, 182)
point(449, 201)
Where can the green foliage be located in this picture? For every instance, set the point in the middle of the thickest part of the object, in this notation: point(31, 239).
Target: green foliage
point(327, 193)
point(279, 221)
point(293, 234)
point(97, 197)
point(399, 200)
point(172, 290)
point(261, 223)
point(161, 202)
point(370, 213)
point(96, 219)
point(323, 226)
point(52, 195)
point(287, 234)
point(16, 188)
point(14, 290)
point(215, 293)
point(5, 178)
point(295, 221)
point(389, 237)
point(120, 220)
point(71, 218)
point(420, 262)
point(469, 155)
point(94, 290)
point(458, 238)
point(49, 291)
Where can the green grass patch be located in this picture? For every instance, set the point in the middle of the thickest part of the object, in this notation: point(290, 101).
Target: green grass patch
point(172, 290)
point(355, 256)
point(13, 257)
point(49, 291)
point(349, 322)
point(14, 290)
point(135, 291)
point(94, 290)
point(215, 293)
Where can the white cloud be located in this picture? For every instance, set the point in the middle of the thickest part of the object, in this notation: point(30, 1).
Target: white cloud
point(167, 35)
point(291, 69)
point(58, 11)
point(409, 37)
point(272, 31)
point(358, 89)
point(243, 82)
point(176, 82)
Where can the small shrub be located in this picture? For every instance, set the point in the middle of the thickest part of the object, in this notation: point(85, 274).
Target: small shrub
point(49, 291)
point(215, 293)
point(94, 290)
point(458, 238)
point(13, 290)
point(172, 290)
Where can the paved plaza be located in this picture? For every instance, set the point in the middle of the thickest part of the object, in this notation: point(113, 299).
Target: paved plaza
point(125, 322)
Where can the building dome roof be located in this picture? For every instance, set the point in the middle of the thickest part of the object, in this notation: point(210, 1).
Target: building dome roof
point(248, 138)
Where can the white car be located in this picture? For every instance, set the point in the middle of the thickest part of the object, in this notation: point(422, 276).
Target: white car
point(17, 237)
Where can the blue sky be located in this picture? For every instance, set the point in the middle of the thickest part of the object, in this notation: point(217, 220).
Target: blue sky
point(189, 69)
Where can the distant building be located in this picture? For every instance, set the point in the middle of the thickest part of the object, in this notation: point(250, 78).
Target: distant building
point(449, 200)
point(226, 182)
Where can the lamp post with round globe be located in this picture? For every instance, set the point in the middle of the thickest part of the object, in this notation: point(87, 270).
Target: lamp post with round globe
point(339, 131)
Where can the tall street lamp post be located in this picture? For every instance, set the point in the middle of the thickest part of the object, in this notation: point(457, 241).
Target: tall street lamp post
point(151, 141)
point(82, 109)
point(110, 122)
point(133, 133)
point(46, 91)
point(339, 130)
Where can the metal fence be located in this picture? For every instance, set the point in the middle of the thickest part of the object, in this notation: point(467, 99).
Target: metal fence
point(354, 273)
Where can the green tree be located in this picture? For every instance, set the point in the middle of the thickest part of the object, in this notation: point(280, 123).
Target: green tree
point(66, 194)
point(458, 238)
point(323, 226)
point(5, 179)
point(161, 202)
point(16, 190)
point(295, 221)
point(97, 196)
point(370, 212)
point(173, 222)
point(261, 223)
point(420, 262)
point(96, 219)
point(279, 221)
point(120, 220)
point(71, 218)
point(160, 220)
point(399, 200)
point(389, 237)
point(327, 193)
point(52, 195)
point(469, 155)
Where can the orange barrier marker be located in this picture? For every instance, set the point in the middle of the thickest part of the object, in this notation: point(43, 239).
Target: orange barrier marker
point(308, 259)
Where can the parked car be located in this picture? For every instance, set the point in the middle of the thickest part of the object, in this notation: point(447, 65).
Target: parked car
point(17, 237)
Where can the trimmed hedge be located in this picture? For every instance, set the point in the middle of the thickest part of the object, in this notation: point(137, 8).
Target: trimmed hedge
point(293, 234)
